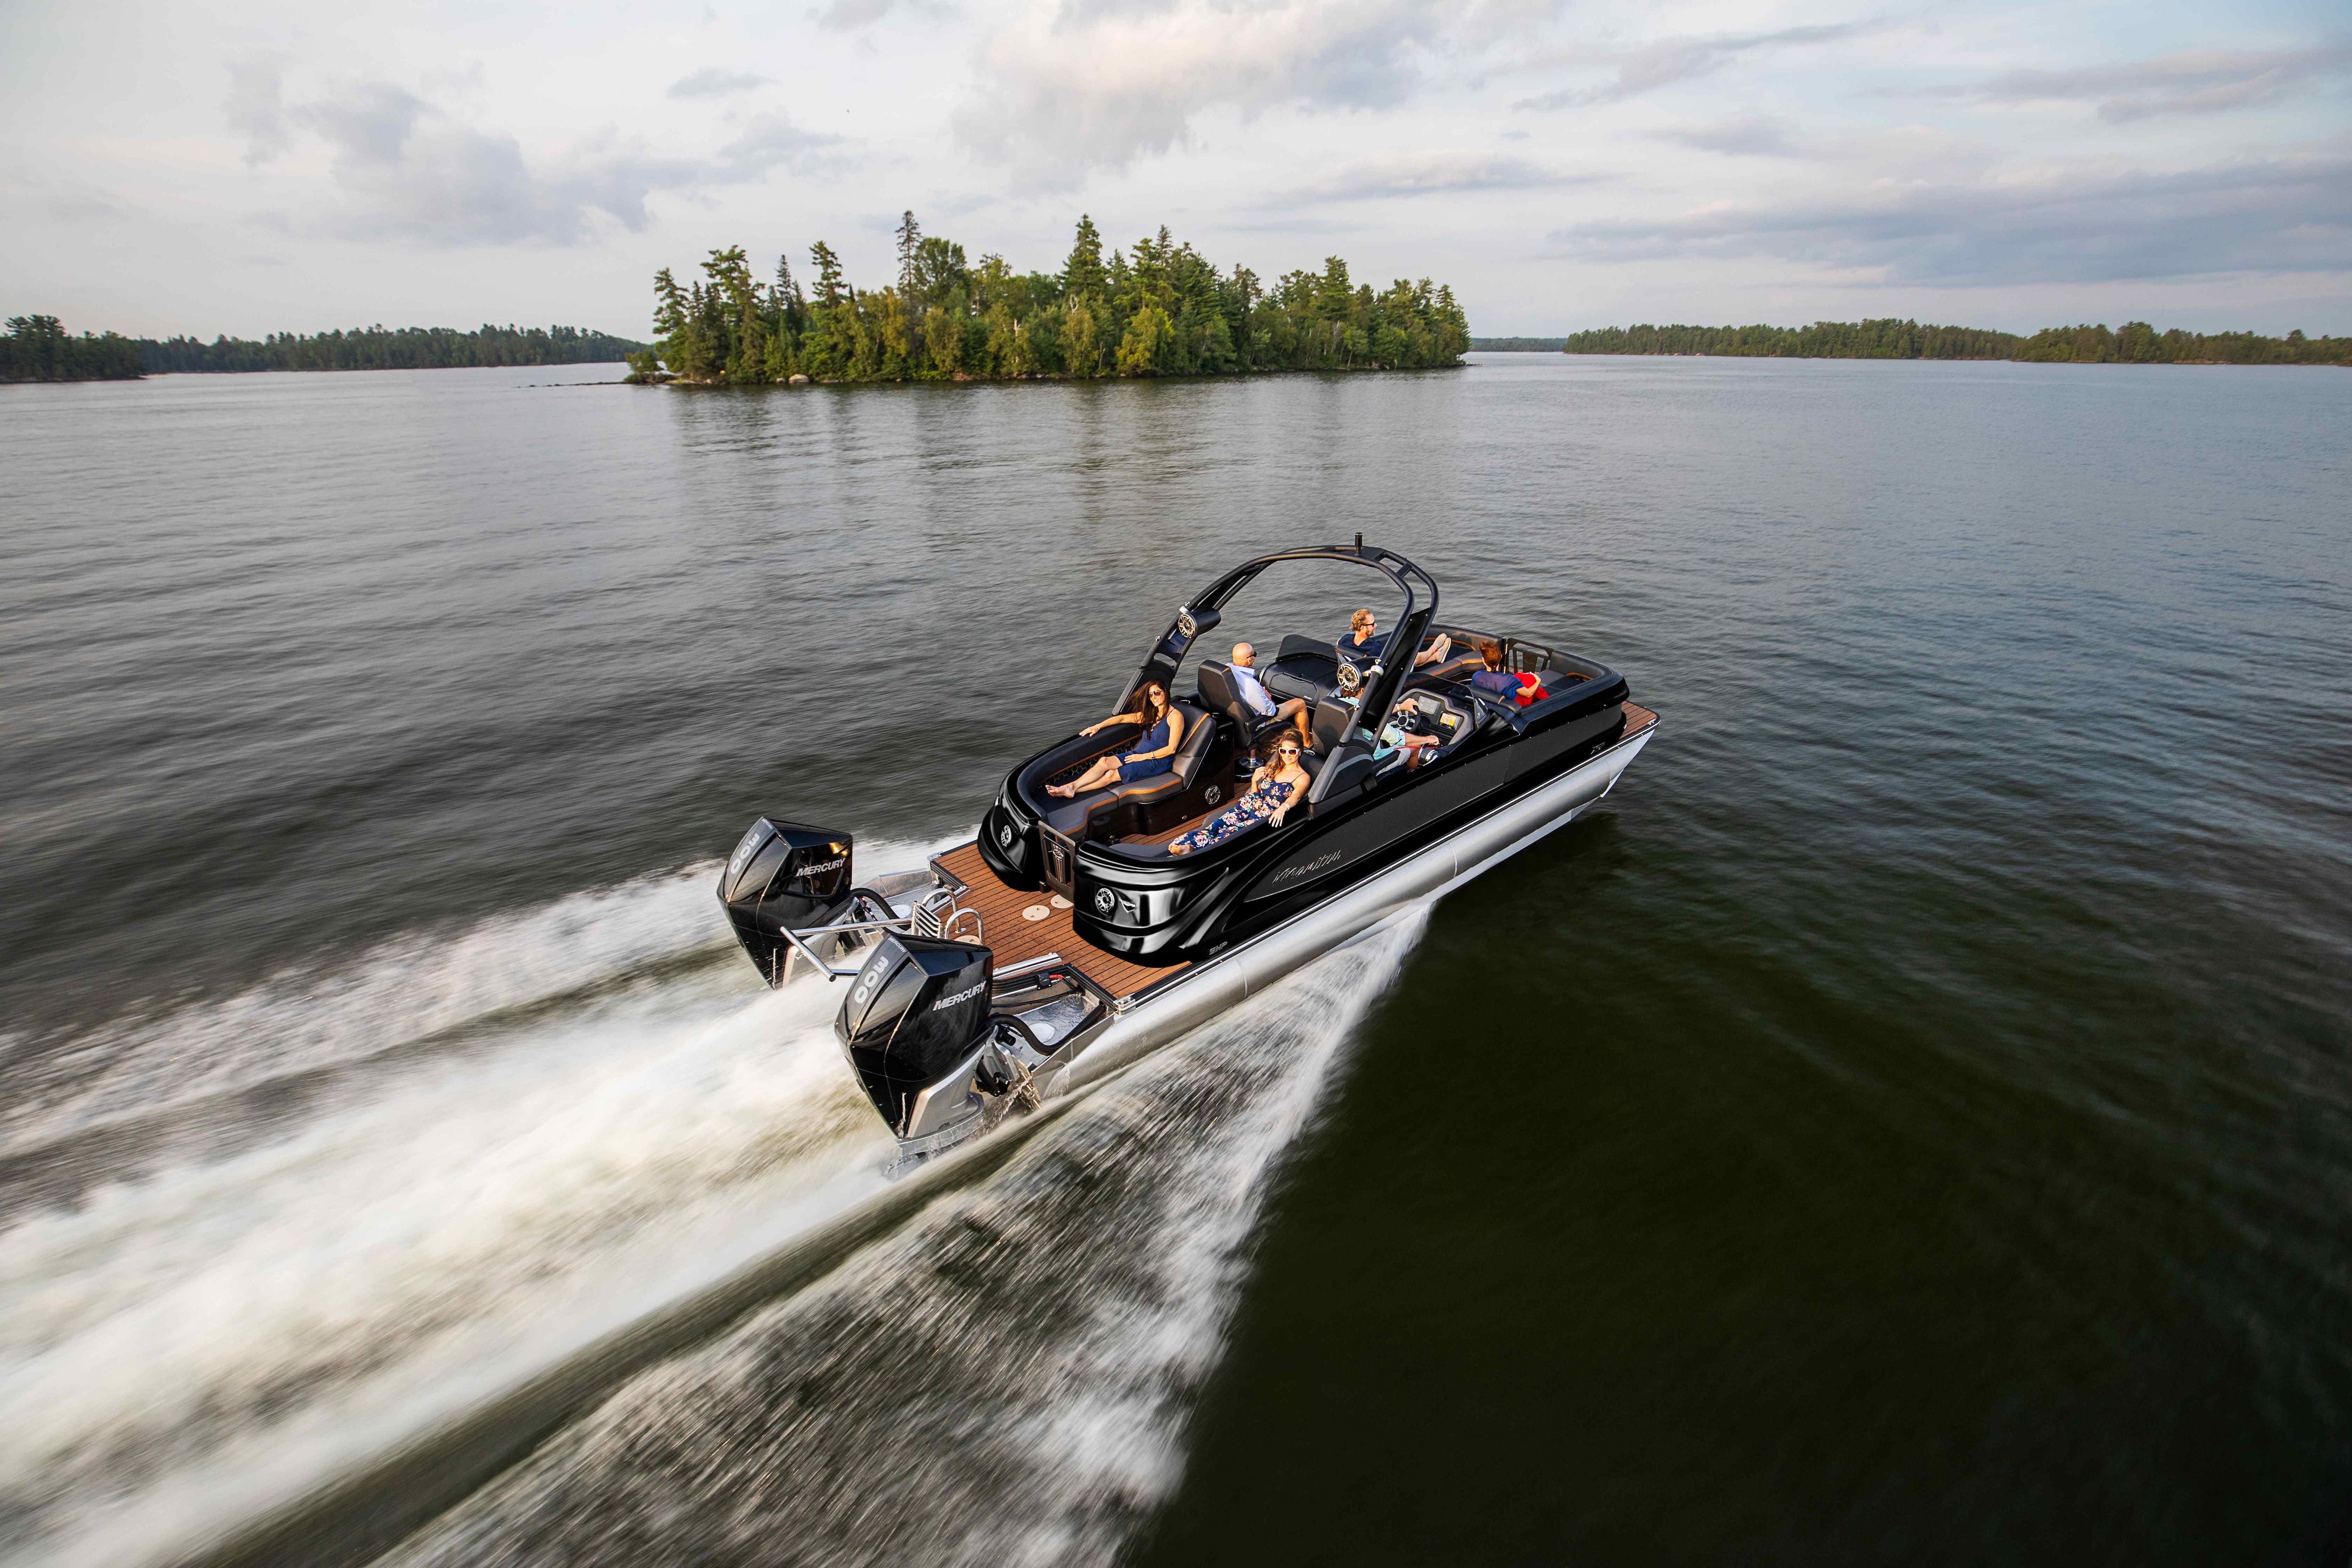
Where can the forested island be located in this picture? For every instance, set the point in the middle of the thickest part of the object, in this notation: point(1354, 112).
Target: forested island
point(1157, 308)
point(38, 348)
point(2135, 342)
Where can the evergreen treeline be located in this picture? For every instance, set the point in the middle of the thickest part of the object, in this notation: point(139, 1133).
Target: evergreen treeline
point(38, 348)
point(1156, 308)
point(2136, 343)
point(1888, 339)
point(382, 348)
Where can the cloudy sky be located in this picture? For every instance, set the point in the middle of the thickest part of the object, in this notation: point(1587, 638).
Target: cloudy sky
point(255, 165)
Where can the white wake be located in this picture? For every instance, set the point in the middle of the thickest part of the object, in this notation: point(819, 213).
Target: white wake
point(1008, 1379)
point(208, 1329)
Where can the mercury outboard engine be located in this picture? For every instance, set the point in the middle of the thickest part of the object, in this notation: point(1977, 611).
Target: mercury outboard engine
point(783, 875)
point(916, 1019)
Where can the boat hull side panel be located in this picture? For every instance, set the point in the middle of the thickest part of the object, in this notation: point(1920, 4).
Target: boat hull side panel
point(1187, 911)
point(1200, 993)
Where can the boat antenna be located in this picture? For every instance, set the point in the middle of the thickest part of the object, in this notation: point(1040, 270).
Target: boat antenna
point(1359, 544)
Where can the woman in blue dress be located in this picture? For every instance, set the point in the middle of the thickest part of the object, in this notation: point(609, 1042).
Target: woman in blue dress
point(1163, 732)
point(1272, 791)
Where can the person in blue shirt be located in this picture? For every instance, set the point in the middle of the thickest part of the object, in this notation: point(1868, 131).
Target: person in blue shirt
point(1496, 681)
point(1362, 644)
point(1163, 732)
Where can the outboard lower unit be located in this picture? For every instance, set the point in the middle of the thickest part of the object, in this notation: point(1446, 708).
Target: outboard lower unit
point(785, 876)
point(915, 1027)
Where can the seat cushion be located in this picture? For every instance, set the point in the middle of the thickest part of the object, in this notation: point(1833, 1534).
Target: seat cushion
point(1071, 817)
point(1457, 665)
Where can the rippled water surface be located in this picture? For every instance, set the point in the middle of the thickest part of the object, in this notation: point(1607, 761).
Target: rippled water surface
point(1911, 1122)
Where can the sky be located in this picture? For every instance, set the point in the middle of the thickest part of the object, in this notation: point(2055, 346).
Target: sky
point(250, 166)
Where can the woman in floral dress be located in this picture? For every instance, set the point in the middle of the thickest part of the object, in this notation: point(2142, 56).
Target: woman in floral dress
point(1272, 791)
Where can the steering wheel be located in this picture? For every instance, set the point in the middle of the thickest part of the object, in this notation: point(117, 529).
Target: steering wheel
point(1352, 679)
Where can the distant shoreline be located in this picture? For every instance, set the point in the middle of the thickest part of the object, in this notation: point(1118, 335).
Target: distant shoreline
point(2134, 342)
point(38, 348)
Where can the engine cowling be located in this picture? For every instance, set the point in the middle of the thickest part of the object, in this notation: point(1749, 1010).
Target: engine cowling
point(914, 1019)
point(783, 875)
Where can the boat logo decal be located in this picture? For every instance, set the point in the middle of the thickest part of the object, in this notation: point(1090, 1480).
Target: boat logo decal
point(944, 1003)
point(1004, 834)
point(1306, 868)
point(1214, 794)
point(751, 841)
point(1105, 900)
point(828, 866)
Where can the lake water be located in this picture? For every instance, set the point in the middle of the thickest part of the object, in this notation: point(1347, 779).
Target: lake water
point(1911, 1122)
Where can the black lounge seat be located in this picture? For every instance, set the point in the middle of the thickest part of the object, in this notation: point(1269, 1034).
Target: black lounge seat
point(1305, 667)
point(1157, 849)
point(1070, 818)
point(1457, 666)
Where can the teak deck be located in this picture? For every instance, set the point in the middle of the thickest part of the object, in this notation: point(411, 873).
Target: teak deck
point(1014, 939)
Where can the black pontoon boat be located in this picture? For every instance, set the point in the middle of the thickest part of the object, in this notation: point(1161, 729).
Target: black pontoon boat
point(1067, 940)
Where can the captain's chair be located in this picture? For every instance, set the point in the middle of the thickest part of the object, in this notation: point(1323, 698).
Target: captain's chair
point(1221, 692)
point(1329, 726)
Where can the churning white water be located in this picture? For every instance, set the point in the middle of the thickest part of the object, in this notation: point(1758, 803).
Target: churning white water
point(306, 1221)
point(1007, 1379)
point(511, 1142)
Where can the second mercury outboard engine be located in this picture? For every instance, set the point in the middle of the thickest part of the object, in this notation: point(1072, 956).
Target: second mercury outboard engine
point(783, 875)
point(916, 1019)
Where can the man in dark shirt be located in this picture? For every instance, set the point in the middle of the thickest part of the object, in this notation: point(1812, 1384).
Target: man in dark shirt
point(1362, 644)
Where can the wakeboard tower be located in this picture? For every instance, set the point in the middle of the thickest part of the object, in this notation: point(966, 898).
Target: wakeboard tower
point(1065, 939)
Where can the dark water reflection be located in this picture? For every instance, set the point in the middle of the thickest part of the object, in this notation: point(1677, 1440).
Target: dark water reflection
point(1915, 1124)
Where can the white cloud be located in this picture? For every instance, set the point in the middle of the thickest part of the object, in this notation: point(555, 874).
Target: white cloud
point(407, 171)
point(711, 81)
point(1810, 157)
point(1429, 173)
point(254, 107)
point(1647, 67)
point(2205, 81)
point(2274, 215)
point(1744, 136)
point(1073, 84)
point(847, 15)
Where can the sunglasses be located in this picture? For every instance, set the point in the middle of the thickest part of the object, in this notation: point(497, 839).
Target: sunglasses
point(1286, 751)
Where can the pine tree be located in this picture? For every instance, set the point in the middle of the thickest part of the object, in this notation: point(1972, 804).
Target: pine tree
point(911, 241)
point(829, 292)
point(1082, 274)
